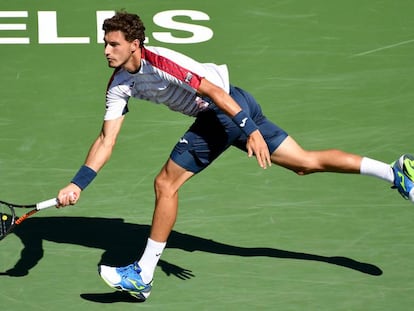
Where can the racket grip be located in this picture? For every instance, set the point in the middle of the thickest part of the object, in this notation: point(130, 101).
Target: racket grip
point(46, 204)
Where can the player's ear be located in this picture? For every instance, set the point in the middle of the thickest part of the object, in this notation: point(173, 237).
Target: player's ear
point(135, 45)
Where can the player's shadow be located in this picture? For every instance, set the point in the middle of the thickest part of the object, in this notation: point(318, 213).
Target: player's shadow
point(122, 241)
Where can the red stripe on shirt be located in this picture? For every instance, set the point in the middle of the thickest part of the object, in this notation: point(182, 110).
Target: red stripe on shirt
point(172, 68)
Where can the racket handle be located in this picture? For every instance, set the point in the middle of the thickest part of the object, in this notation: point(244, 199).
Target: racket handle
point(46, 204)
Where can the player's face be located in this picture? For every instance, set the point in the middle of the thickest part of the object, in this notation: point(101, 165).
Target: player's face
point(118, 51)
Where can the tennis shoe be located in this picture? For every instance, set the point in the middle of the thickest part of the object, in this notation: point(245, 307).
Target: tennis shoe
point(127, 279)
point(404, 176)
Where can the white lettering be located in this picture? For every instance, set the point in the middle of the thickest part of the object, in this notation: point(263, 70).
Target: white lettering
point(14, 40)
point(165, 19)
point(13, 14)
point(48, 32)
point(12, 26)
point(48, 28)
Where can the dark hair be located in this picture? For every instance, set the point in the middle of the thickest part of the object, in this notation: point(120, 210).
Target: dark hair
point(129, 24)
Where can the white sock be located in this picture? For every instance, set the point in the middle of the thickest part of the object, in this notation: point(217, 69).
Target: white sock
point(149, 259)
point(378, 169)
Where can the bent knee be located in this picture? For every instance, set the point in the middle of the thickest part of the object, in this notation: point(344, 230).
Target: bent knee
point(308, 163)
point(163, 185)
point(170, 179)
point(305, 170)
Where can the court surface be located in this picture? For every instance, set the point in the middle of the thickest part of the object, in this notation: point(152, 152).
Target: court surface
point(334, 74)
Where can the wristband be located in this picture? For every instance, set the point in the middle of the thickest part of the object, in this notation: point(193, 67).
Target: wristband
point(84, 177)
point(245, 123)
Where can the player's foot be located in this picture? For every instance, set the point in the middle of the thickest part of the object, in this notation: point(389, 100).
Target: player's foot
point(126, 279)
point(404, 176)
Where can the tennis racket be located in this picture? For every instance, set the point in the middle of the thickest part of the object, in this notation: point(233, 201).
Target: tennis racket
point(8, 218)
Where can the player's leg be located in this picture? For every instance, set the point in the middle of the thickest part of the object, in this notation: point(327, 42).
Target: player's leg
point(166, 186)
point(286, 152)
point(136, 278)
point(204, 142)
point(167, 183)
point(291, 155)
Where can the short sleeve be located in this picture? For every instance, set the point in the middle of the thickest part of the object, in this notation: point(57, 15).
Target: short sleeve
point(116, 103)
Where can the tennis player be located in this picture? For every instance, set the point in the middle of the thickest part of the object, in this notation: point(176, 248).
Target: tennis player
point(225, 116)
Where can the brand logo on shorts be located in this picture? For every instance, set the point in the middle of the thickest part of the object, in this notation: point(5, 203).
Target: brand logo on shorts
point(183, 141)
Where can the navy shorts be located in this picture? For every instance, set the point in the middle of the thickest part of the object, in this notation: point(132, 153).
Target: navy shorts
point(213, 132)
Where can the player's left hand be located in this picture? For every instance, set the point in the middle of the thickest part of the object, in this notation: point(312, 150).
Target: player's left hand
point(257, 146)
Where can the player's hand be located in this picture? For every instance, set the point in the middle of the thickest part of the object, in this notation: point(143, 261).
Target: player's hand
point(68, 195)
point(257, 146)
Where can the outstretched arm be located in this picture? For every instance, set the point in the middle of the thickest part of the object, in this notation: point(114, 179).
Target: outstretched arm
point(255, 142)
point(98, 155)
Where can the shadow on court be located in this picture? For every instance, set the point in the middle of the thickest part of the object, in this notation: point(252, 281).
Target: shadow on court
point(120, 242)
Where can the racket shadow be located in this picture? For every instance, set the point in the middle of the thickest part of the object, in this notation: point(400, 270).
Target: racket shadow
point(120, 241)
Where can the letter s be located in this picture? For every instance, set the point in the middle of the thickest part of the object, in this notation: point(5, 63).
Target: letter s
point(165, 19)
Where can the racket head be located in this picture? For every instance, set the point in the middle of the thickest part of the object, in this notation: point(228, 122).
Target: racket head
point(7, 218)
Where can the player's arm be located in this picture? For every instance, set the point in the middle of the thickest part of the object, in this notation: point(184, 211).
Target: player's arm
point(255, 142)
point(99, 153)
point(101, 149)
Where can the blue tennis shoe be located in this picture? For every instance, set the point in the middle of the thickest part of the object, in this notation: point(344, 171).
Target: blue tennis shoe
point(127, 279)
point(404, 176)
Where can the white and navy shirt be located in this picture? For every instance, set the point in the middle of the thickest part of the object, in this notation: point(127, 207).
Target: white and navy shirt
point(165, 77)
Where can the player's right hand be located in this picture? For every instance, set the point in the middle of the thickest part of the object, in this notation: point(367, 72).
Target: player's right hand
point(68, 195)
